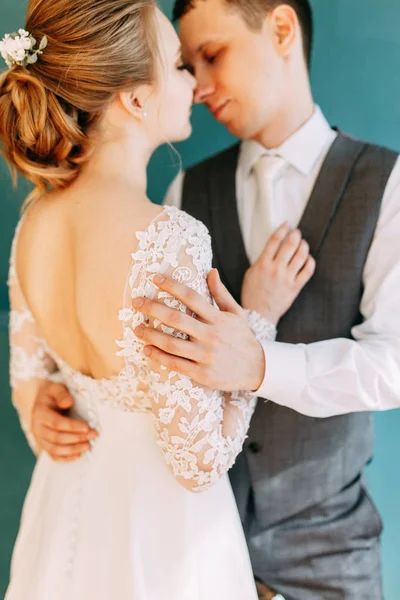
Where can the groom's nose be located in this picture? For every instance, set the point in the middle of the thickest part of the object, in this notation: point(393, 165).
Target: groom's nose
point(204, 89)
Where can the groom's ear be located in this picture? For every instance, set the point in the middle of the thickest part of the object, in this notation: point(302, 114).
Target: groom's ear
point(285, 27)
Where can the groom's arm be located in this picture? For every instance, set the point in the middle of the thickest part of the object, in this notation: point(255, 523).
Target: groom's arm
point(340, 376)
point(335, 376)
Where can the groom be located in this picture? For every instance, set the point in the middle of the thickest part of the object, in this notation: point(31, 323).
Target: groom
point(312, 529)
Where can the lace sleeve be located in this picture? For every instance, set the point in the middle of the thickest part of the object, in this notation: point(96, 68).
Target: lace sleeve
point(200, 431)
point(263, 329)
point(29, 362)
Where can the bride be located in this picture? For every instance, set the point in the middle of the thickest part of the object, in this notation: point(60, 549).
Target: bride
point(92, 89)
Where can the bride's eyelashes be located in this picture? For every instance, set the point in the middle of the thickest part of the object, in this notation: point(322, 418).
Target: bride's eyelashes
point(186, 67)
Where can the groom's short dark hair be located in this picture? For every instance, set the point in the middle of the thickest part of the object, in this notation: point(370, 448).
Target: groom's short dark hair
point(253, 12)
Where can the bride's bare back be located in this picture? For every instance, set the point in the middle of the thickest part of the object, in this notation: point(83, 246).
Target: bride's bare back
point(73, 255)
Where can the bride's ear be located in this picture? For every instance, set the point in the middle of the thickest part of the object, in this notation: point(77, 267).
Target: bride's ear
point(133, 102)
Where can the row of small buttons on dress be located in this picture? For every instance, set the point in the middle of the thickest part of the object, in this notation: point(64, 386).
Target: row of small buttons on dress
point(93, 422)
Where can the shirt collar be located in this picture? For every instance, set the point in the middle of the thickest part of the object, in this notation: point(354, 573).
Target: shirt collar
point(301, 150)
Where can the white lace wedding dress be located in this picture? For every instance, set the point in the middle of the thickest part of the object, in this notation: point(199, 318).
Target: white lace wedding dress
point(116, 524)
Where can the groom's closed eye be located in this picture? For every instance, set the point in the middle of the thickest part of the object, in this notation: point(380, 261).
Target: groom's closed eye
point(211, 58)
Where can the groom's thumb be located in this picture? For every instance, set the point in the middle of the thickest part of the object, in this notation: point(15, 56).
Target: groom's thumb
point(221, 295)
point(60, 396)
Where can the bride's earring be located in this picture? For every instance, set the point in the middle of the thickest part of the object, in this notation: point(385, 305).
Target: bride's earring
point(133, 105)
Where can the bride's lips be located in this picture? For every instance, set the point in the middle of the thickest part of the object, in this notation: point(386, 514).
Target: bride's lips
point(218, 111)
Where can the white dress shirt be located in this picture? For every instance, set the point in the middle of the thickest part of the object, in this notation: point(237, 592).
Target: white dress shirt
point(335, 376)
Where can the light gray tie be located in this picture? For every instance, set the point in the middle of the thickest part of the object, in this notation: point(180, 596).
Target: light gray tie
point(266, 171)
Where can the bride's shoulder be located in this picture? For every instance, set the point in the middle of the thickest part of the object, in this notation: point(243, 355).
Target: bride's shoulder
point(180, 220)
point(173, 238)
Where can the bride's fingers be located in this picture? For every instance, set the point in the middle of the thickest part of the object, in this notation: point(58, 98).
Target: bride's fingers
point(299, 259)
point(170, 344)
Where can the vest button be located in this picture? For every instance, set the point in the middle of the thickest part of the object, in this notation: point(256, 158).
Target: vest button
point(254, 447)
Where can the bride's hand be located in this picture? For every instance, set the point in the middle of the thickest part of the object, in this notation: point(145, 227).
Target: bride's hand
point(273, 283)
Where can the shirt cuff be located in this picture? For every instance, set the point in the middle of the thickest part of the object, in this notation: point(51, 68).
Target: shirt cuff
point(285, 373)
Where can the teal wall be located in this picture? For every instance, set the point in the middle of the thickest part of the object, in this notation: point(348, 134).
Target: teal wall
point(356, 80)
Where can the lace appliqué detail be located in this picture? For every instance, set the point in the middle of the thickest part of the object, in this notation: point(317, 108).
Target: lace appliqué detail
point(264, 330)
point(201, 431)
point(18, 319)
point(25, 366)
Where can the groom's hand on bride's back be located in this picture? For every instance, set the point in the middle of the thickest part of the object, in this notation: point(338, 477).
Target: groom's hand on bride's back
point(63, 438)
point(221, 353)
point(271, 285)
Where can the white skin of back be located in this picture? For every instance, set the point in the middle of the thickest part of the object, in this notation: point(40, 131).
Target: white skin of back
point(75, 245)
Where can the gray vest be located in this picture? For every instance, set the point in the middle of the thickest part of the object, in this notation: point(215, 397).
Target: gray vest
point(292, 462)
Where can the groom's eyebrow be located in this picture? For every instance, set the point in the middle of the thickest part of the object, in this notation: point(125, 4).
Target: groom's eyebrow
point(206, 43)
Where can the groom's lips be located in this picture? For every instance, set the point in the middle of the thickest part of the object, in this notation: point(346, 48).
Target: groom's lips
point(219, 109)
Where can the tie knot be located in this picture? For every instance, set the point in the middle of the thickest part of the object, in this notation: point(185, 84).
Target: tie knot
point(268, 166)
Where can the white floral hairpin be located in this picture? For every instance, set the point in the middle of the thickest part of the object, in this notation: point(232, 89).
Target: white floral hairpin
point(19, 48)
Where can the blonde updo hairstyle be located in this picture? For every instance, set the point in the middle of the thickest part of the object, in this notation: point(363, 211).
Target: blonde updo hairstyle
point(49, 110)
